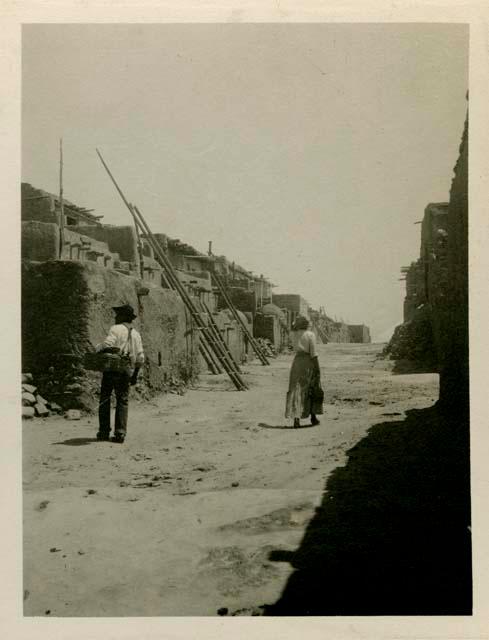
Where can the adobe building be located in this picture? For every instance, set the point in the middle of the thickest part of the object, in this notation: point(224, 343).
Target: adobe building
point(292, 302)
point(359, 333)
point(270, 323)
point(434, 333)
point(71, 278)
point(454, 326)
point(415, 289)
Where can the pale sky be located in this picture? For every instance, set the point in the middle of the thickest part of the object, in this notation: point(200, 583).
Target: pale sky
point(305, 152)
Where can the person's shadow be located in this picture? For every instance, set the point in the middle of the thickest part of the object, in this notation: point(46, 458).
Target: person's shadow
point(77, 442)
point(264, 425)
point(392, 534)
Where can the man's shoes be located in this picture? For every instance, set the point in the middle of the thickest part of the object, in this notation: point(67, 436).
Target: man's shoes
point(118, 438)
point(102, 437)
point(315, 422)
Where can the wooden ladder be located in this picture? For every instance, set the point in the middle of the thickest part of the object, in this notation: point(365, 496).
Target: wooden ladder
point(214, 342)
point(256, 347)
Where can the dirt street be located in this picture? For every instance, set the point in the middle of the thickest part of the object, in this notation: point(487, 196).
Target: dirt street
point(182, 518)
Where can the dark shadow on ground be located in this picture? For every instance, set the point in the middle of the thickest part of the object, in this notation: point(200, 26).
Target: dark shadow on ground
point(391, 536)
point(403, 367)
point(77, 442)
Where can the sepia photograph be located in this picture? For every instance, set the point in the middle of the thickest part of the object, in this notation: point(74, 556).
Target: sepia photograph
point(245, 319)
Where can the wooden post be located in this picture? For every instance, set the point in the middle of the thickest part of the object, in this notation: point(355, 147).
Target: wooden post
point(139, 242)
point(61, 202)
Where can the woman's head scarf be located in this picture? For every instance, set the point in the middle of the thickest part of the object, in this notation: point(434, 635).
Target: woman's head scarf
point(301, 323)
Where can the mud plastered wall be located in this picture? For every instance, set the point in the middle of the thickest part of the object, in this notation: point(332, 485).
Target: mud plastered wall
point(67, 310)
point(454, 375)
point(40, 241)
point(359, 333)
point(268, 327)
point(119, 239)
point(233, 334)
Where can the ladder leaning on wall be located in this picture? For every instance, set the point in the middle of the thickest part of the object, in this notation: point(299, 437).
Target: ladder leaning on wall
point(256, 347)
point(213, 342)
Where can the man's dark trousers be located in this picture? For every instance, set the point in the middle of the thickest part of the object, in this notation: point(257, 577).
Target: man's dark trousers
point(118, 382)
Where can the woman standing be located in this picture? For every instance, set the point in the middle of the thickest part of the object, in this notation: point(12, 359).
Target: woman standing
point(305, 396)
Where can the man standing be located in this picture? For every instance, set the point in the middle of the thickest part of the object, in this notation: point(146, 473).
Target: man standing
point(124, 339)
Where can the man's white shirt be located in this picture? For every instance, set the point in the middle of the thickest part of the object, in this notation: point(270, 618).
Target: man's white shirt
point(118, 337)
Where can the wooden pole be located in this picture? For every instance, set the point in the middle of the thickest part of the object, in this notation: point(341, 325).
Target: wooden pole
point(61, 202)
point(216, 343)
point(228, 364)
point(215, 329)
point(139, 242)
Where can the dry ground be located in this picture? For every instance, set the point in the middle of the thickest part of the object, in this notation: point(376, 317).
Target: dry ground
point(183, 519)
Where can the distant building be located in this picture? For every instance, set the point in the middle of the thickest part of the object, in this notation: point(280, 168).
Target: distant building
point(294, 303)
point(359, 333)
point(271, 323)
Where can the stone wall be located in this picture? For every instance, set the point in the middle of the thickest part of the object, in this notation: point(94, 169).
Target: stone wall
point(66, 311)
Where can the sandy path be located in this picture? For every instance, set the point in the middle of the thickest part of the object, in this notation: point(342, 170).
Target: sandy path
point(181, 519)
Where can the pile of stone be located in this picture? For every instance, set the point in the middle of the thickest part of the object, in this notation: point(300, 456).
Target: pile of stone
point(33, 404)
point(413, 341)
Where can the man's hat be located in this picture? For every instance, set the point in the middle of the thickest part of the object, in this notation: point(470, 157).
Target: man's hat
point(125, 310)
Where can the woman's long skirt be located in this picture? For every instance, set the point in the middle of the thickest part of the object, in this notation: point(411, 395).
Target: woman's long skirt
point(304, 383)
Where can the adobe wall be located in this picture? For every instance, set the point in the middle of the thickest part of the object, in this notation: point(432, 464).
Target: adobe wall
point(35, 207)
point(359, 333)
point(415, 290)
point(242, 299)
point(435, 329)
point(291, 301)
point(119, 239)
point(66, 311)
point(233, 335)
point(454, 374)
point(268, 328)
point(39, 241)
point(338, 332)
point(412, 343)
